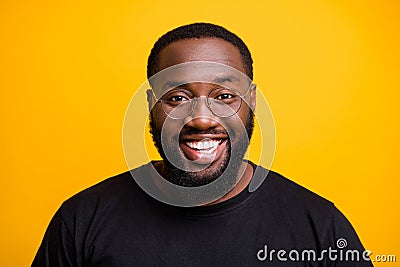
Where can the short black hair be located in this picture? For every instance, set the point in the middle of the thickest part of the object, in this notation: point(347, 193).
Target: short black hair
point(199, 30)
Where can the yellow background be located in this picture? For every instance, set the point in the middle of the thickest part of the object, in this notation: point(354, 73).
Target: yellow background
point(329, 69)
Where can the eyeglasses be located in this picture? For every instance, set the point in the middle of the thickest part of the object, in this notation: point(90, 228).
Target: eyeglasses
point(222, 102)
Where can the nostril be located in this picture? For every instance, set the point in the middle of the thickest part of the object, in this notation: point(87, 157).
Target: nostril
point(201, 122)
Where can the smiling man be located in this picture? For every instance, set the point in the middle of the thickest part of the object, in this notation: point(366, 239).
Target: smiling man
point(195, 206)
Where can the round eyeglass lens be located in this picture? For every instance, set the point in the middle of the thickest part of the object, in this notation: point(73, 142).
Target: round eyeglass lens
point(177, 110)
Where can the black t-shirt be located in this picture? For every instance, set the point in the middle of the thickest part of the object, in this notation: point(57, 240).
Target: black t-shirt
point(115, 223)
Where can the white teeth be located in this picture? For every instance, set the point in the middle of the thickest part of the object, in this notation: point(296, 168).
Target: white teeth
point(201, 145)
point(204, 145)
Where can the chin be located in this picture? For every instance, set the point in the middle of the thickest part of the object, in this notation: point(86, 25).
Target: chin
point(194, 174)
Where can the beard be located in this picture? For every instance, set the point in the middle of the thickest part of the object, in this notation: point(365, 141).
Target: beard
point(232, 157)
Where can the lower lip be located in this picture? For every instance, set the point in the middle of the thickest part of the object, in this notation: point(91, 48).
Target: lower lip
point(202, 157)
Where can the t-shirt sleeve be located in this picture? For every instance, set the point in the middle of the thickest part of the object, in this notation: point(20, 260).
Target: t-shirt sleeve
point(57, 248)
point(344, 248)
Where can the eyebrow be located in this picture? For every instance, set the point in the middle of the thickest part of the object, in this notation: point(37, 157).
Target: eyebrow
point(218, 80)
point(228, 78)
point(172, 84)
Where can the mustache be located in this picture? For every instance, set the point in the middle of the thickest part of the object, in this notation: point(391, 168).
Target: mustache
point(189, 131)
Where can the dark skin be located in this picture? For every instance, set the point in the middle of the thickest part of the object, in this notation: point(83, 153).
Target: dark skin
point(204, 49)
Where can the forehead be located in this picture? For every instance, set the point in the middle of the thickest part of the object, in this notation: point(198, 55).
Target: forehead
point(201, 49)
point(209, 60)
point(195, 73)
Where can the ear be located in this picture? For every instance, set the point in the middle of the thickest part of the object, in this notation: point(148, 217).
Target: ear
point(150, 97)
point(253, 96)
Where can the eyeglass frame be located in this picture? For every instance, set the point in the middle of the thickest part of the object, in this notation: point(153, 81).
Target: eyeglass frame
point(194, 102)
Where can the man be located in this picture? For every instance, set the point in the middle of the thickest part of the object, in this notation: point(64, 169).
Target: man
point(195, 207)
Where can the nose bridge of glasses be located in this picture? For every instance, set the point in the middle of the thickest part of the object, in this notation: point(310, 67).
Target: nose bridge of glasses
point(201, 106)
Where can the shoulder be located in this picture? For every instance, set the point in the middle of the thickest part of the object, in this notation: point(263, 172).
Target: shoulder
point(298, 209)
point(311, 219)
point(104, 196)
point(106, 188)
point(303, 214)
point(294, 195)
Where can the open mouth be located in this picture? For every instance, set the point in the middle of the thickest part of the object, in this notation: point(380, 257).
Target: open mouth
point(204, 146)
point(203, 151)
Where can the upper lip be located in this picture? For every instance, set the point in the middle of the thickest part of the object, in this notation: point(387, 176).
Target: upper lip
point(199, 137)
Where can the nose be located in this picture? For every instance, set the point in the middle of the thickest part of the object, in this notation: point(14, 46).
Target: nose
point(201, 117)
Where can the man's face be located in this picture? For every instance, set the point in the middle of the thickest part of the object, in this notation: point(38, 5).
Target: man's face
point(202, 143)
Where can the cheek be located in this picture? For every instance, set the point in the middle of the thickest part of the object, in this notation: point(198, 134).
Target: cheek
point(170, 128)
point(243, 114)
point(236, 126)
point(158, 117)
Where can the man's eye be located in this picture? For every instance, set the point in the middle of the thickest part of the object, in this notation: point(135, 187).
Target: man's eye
point(225, 96)
point(178, 98)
